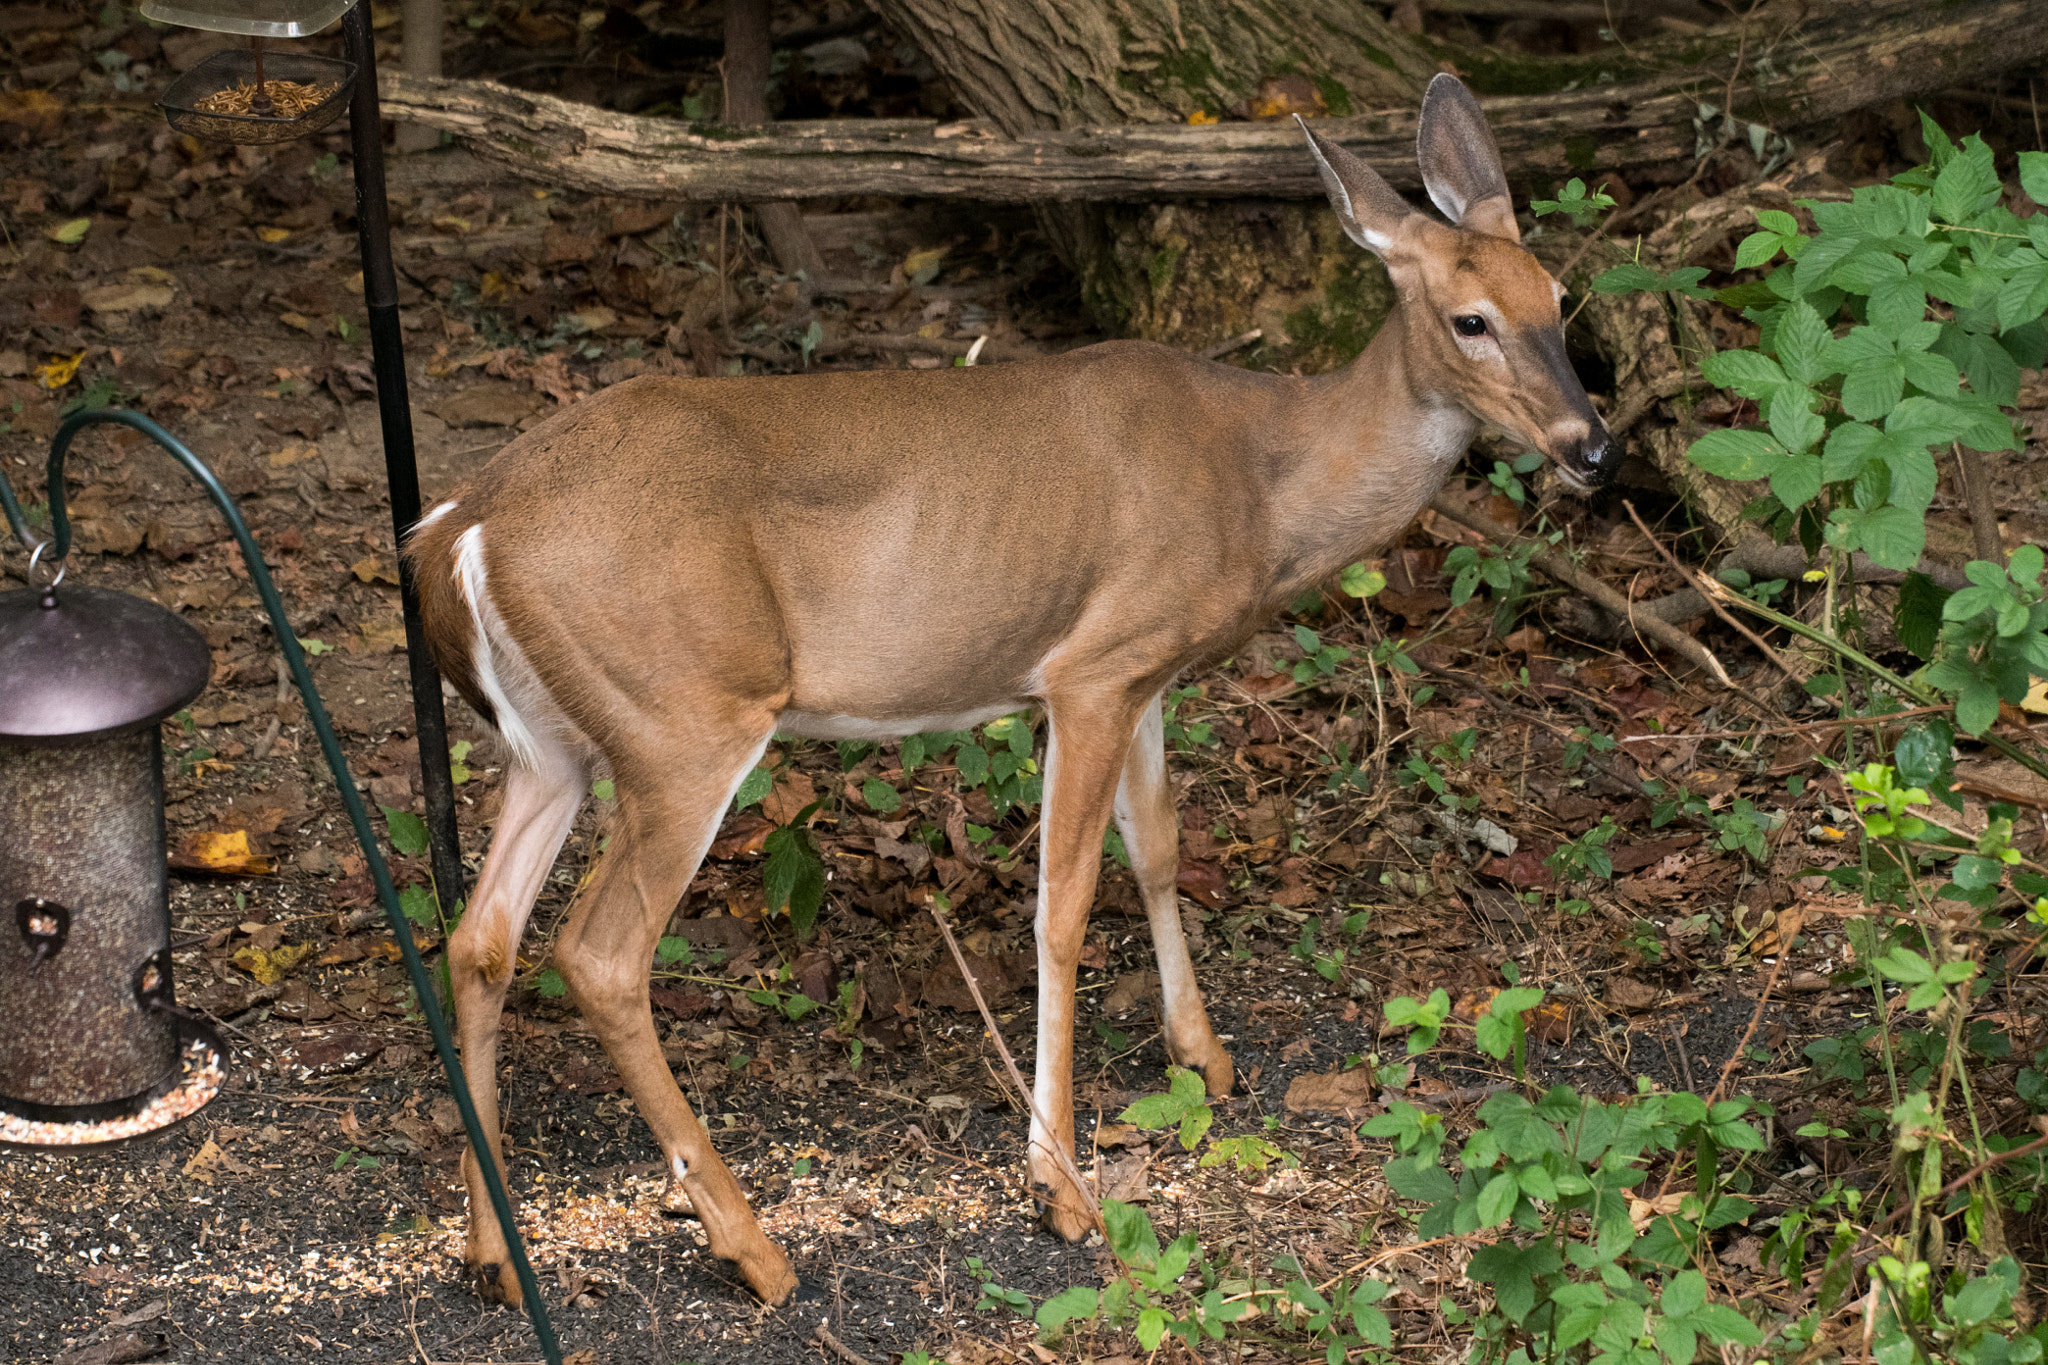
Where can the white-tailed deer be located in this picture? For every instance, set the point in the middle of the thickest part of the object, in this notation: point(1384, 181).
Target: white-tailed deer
point(661, 578)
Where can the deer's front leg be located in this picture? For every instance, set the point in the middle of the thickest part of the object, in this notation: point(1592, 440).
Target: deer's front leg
point(1145, 816)
point(1087, 740)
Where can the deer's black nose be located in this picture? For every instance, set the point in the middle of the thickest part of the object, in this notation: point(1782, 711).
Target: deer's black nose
point(1595, 457)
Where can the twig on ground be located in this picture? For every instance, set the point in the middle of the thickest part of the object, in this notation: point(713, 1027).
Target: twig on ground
point(1797, 672)
point(1789, 924)
point(1797, 727)
point(1564, 571)
point(1017, 1077)
point(276, 726)
point(834, 1346)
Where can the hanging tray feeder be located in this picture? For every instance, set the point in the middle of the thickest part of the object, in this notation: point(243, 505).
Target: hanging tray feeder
point(246, 95)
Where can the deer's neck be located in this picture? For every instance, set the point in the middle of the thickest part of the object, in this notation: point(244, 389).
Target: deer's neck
point(1375, 443)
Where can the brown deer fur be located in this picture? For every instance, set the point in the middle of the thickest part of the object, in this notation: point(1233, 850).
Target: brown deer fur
point(655, 581)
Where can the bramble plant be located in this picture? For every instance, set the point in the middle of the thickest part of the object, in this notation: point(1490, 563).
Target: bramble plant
point(1895, 330)
point(1574, 202)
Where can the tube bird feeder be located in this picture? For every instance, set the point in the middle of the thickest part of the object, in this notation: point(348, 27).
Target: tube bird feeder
point(93, 1048)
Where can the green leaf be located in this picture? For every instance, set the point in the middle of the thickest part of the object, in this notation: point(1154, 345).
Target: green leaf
point(1903, 964)
point(1851, 446)
point(549, 984)
point(1778, 221)
point(1893, 537)
point(1872, 388)
point(881, 798)
point(753, 787)
point(2034, 176)
point(794, 877)
point(1802, 342)
point(1796, 480)
point(1497, 1199)
point(1748, 373)
point(1757, 249)
point(408, 831)
point(1964, 184)
point(972, 760)
point(420, 907)
point(1627, 278)
point(1736, 454)
point(672, 951)
point(1359, 581)
point(1973, 873)
point(1077, 1301)
point(1130, 1234)
point(603, 789)
point(1684, 1292)
point(71, 232)
point(1924, 754)
point(1792, 418)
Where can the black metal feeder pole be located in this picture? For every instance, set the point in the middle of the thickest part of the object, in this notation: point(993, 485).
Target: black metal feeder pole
point(401, 472)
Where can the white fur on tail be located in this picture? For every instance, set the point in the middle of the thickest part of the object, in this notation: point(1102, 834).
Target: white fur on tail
point(515, 693)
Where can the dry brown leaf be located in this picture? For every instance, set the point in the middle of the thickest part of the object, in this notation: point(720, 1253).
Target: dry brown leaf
point(222, 853)
point(374, 569)
point(792, 791)
point(268, 966)
point(1629, 995)
point(1131, 990)
point(1335, 1092)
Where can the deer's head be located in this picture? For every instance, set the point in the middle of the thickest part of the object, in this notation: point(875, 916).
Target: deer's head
point(1483, 326)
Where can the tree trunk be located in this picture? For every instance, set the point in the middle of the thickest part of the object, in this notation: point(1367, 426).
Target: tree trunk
point(422, 22)
point(745, 67)
point(1066, 63)
point(1189, 274)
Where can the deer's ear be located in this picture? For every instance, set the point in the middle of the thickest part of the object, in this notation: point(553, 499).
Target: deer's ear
point(1366, 205)
point(1460, 163)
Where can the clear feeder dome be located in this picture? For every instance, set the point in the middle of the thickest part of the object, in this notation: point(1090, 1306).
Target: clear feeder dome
point(257, 18)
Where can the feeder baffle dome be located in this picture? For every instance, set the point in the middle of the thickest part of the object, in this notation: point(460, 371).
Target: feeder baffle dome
point(96, 663)
point(256, 18)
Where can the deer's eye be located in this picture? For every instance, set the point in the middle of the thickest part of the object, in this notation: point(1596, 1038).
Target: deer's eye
point(1469, 325)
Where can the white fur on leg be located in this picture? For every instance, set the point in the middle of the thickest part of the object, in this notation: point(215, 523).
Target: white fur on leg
point(1155, 864)
point(1055, 1007)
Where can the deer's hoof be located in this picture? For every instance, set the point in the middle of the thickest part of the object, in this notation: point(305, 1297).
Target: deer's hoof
point(1065, 1215)
point(495, 1283)
point(1218, 1073)
point(770, 1276)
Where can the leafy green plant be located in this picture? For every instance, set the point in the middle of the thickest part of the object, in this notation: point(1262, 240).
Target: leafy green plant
point(998, 761)
point(794, 876)
point(1577, 859)
point(1574, 202)
point(1894, 332)
point(1322, 658)
point(1185, 735)
point(1504, 570)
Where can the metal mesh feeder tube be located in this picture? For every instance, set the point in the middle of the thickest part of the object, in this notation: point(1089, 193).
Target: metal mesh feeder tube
point(92, 1046)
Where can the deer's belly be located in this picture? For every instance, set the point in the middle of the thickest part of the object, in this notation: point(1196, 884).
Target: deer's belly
point(813, 725)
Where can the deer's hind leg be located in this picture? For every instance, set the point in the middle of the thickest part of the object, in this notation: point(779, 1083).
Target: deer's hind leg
point(671, 800)
point(1145, 818)
point(541, 801)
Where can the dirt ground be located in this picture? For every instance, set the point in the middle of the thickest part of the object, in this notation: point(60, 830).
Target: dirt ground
point(313, 1212)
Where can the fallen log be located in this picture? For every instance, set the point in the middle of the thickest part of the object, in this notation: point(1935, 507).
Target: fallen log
point(1843, 65)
